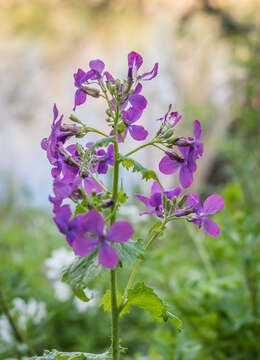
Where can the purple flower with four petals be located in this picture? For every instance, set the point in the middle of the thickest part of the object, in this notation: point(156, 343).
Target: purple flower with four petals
point(155, 200)
point(191, 150)
point(213, 204)
point(119, 232)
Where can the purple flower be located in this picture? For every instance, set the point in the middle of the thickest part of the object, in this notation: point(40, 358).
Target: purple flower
point(120, 231)
point(51, 145)
point(135, 61)
point(191, 151)
point(170, 118)
point(155, 200)
point(81, 78)
point(72, 228)
point(212, 205)
point(104, 159)
point(130, 116)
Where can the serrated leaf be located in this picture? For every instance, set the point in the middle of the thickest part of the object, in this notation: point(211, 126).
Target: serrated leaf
point(104, 142)
point(129, 251)
point(145, 298)
point(57, 355)
point(106, 301)
point(135, 166)
point(81, 271)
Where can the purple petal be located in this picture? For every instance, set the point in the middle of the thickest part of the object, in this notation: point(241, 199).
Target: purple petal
point(185, 150)
point(85, 245)
point(132, 114)
point(94, 223)
point(62, 218)
point(211, 228)
point(173, 192)
point(80, 98)
point(78, 76)
point(213, 204)
point(138, 132)
point(109, 77)
point(90, 184)
point(44, 144)
point(144, 199)
point(186, 176)
point(148, 212)
point(55, 112)
point(197, 129)
point(107, 256)
point(120, 231)
point(156, 188)
point(156, 199)
point(150, 75)
point(194, 200)
point(102, 167)
point(135, 59)
point(138, 101)
point(138, 89)
point(97, 65)
point(168, 166)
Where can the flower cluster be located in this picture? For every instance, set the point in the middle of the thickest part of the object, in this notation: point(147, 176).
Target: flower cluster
point(88, 221)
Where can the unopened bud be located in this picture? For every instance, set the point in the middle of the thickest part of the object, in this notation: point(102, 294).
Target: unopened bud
point(69, 128)
point(90, 91)
point(107, 203)
point(182, 200)
point(168, 134)
point(183, 142)
point(109, 112)
point(117, 84)
point(127, 85)
point(174, 156)
point(110, 87)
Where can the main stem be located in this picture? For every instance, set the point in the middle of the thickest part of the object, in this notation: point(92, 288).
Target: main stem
point(113, 277)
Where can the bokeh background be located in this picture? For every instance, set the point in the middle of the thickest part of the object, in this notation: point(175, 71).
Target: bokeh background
point(209, 56)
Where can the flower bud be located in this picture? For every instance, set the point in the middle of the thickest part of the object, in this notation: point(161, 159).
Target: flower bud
point(90, 91)
point(127, 85)
point(110, 87)
point(168, 134)
point(174, 156)
point(117, 84)
point(107, 203)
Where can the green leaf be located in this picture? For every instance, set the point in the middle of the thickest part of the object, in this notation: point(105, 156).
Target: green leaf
point(145, 298)
point(56, 355)
point(154, 226)
point(175, 320)
point(81, 295)
point(106, 301)
point(81, 271)
point(135, 166)
point(129, 251)
point(104, 142)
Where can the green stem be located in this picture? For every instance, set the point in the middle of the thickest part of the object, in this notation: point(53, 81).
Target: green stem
point(113, 282)
point(87, 128)
point(139, 148)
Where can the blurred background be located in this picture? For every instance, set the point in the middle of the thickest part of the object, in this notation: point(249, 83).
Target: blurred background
point(209, 57)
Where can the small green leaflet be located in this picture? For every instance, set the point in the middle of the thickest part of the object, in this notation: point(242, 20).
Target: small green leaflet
point(102, 143)
point(145, 298)
point(56, 355)
point(130, 251)
point(106, 301)
point(135, 166)
point(80, 272)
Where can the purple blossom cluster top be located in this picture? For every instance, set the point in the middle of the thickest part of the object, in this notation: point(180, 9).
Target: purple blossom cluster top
point(88, 220)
